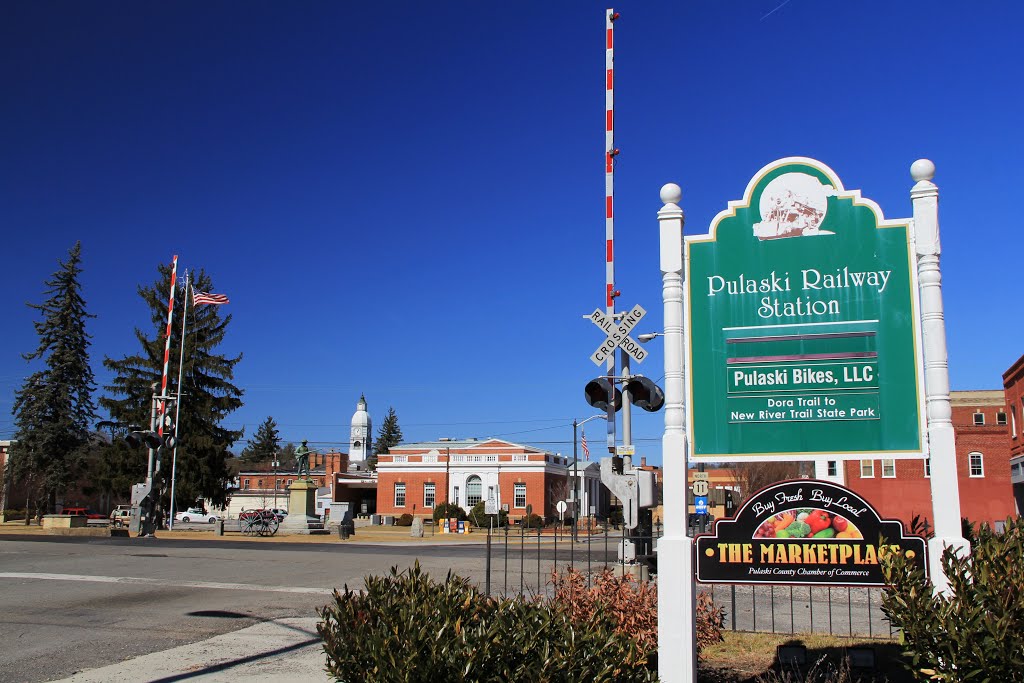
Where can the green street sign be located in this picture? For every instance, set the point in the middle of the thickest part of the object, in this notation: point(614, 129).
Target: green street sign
point(803, 328)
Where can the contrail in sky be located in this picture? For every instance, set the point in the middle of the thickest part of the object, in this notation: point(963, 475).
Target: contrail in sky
point(786, 2)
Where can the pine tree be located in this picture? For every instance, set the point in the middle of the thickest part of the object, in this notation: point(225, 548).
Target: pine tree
point(286, 457)
point(208, 396)
point(389, 434)
point(53, 410)
point(264, 445)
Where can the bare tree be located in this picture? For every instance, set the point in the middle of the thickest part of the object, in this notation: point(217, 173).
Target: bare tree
point(751, 477)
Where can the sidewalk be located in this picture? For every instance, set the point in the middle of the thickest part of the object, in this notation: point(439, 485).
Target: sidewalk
point(280, 651)
point(375, 535)
point(365, 535)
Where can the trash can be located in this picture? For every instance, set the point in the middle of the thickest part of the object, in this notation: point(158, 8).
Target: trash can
point(220, 527)
point(343, 531)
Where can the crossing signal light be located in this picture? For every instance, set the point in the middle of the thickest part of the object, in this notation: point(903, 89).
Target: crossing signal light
point(148, 439)
point(597, 392)
point(645, 394)
point(168, 431)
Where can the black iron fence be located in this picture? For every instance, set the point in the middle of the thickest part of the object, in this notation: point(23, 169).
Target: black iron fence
point(521, 562)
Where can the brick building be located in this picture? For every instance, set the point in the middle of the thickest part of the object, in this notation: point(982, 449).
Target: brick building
point(415, 477)
point(900, 489)
point(1013, 388)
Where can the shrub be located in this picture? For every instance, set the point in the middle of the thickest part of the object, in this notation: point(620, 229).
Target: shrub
point(975, 630)
point(447, 511)
point(404, 520)
point(479, 518)
point(532, 521)
point(632, 605)
point(408, 628)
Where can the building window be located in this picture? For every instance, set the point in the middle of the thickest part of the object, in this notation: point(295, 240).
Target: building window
point(979, 418)
point(833, 468)
point(456, 495)
point(1013, 422)
point(474, 491)
point(977, 466)
point(259, 484)
point(428, 495)
point(246, 485)
point(399, 495)
point(888, 469)
point(927, 467)
point(867, 469)
point(1001, 418)
point(520, 496)
point(278, 484)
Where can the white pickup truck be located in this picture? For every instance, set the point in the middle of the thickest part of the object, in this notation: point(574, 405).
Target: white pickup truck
point(121, 516)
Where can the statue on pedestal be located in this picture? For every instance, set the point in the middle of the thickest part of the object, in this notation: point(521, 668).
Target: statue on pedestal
point(302, 459)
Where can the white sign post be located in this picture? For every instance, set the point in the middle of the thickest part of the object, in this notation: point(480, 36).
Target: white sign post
point(677, 605)
point(941, 439)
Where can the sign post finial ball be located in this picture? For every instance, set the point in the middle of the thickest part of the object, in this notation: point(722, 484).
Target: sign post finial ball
point(671, 193)
point(922, 169)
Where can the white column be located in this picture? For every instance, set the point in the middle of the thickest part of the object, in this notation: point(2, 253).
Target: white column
point(942, 447)
point(677, 625)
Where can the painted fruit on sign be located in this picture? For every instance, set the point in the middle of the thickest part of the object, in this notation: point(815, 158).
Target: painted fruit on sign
point(807, 523)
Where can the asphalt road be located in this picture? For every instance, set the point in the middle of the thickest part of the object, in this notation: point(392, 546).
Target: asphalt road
point(71, 603)
point(68, 604)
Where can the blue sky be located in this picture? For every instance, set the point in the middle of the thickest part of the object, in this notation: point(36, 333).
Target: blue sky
point(405, 199)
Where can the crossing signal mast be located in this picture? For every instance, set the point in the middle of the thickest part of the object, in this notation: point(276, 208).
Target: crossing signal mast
point(631, 485)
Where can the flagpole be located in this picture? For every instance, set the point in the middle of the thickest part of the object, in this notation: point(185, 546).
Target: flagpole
point(177, 408)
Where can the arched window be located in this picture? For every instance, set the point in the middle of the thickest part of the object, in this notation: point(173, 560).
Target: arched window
point(977, 464)
point(474, 491)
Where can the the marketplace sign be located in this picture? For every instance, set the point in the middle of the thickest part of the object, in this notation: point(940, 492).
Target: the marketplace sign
point(804, 532)
point(803, 325)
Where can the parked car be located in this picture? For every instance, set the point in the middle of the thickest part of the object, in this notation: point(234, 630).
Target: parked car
point(195, 515)
point(82, 512)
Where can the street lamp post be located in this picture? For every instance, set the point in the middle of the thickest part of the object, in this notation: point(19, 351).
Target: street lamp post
point(576, 475)
point(275, 463)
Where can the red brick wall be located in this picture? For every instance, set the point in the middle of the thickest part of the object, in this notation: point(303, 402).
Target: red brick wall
point(543, 491)
point(1013, 388)
point(413, 492)
point(982, 499)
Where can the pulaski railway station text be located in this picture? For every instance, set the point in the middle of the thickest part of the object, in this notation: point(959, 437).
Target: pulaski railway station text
point(812, 282)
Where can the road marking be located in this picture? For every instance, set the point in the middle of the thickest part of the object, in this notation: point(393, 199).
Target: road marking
point(164, 582)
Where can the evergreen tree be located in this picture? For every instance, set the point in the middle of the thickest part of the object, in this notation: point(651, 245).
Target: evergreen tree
point(113, 466)
point(287, 457)
point(389, 434)
point(264, 445)
point(53, 409)
point(208, 396)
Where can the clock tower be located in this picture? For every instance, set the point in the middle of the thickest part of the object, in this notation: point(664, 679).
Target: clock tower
point(361, 436)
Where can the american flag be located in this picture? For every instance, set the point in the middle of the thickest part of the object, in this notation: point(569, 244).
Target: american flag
point(586, 451)
point(207, 298)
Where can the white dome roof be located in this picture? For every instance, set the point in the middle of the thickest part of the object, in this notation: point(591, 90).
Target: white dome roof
point(361, 418)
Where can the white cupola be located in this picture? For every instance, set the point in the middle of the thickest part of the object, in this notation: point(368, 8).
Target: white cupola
point(361, 437)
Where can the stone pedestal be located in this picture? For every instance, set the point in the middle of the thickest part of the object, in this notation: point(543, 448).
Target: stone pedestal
point(301, 508)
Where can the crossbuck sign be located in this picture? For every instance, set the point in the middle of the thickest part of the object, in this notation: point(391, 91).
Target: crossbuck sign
point(618, 335)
